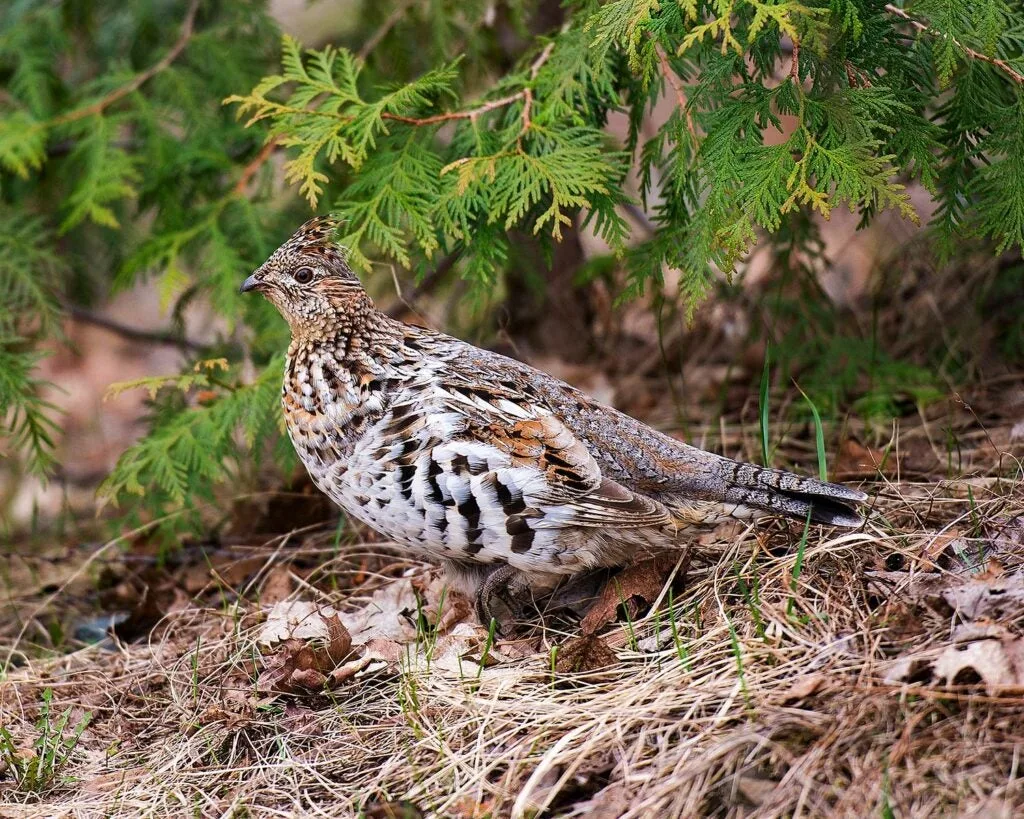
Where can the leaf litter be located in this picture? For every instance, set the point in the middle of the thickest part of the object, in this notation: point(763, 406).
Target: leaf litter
point(385, 693)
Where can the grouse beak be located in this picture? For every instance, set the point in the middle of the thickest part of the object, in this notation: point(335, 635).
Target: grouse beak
point(252, 283)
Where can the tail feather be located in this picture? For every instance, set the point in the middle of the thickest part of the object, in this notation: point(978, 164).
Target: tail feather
point(791, 495)
point(778, 492)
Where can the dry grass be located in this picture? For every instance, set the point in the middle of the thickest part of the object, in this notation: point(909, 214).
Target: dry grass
point(765, 702)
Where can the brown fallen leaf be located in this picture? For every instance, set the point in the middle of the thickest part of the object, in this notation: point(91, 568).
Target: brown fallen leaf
point(987, 656)
point(307, 659)
point(755, 789)
point(115, 780)
point(988, 595)
point(301, 620)
point(937, 546)
point(469, 807)
point(802, 688)
point(857, 461)
point(344, 673)
point(277, 586)
point(584, 653)
point(991, 595)
point(394, 609)
point(218, 714)
point(1005, 539)
point(443, 607)
point(639, 583)
point(400, 809)
point(152, 605)
point(390, 614)
point(610, 802)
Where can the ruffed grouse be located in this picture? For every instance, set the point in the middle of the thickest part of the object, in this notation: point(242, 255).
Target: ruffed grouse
point(509, 477)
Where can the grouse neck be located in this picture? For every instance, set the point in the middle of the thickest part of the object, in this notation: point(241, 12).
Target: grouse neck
point(350, 336)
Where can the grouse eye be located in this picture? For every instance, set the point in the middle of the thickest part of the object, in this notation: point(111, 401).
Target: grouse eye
point(304, 275)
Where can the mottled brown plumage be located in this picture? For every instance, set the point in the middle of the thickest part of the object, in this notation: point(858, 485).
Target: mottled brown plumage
point(501, 472)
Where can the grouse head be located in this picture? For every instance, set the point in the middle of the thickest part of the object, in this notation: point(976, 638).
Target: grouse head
point(309, 281)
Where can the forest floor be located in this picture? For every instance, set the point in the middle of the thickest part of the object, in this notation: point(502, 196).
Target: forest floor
point(290, 665)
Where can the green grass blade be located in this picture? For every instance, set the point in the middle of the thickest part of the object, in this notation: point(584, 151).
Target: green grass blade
point(763, 405)
point(819, 435)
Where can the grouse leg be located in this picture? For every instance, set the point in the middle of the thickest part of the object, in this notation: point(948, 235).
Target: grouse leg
point(496, 597)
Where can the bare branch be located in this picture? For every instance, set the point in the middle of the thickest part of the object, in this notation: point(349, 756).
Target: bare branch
point(86, 316)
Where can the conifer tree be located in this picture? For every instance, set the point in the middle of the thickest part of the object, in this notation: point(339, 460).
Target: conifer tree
point(157, 162)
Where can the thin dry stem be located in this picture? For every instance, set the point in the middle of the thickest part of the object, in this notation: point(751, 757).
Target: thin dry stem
point(382, 31)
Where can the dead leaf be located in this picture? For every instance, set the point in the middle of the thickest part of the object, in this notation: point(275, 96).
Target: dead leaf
point(987, 656)
point(401, 809)
point(469, 807)
point(219, 714)
point(610, 802)
point(152, 605)
point(462, 650)
point(584, 653)
point(277, 586)
point(1005, 536)
point(988, 596)
point(755, 789)
point(300, 620)
point(390, 614)
point(640, 582)
point(394, 609)
point(346, 672)
point(314, 644)
point(802, 688)
point(937, 546)
point(115, 780)
point(385, 650)
point(857, 461)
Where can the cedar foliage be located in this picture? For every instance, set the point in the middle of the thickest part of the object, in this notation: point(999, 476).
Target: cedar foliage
point(152, 162)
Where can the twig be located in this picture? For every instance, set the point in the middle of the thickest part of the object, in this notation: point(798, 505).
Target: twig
point(673, 79)
point(409, 302)
point(857, 77)
point(132, 333)
point(525, 94)
point(249, 171)
point(542, 58)
point(528, 91)
point(1002, 65)
point(640, 218)
point(382, 32)
point(794, 67)
point(187, 29)
point(471, 114)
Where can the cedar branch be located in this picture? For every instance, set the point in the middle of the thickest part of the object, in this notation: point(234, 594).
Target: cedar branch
point(187, 29)
point(525, 94)
point(1002, 65)
point(673, 80)
point(249, 171)
point(392, 20)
